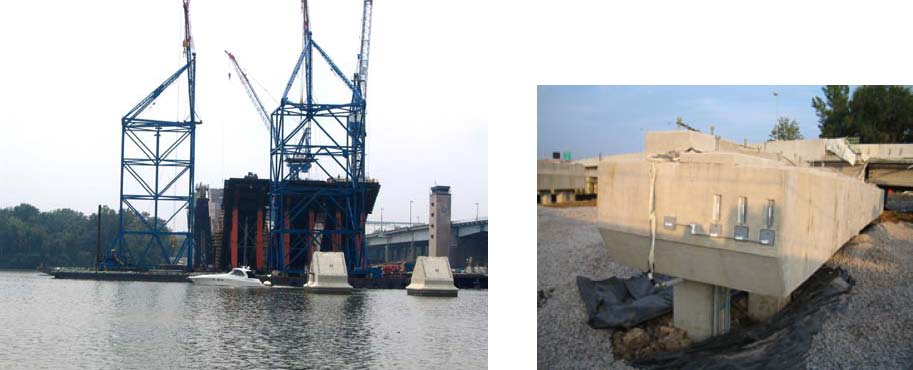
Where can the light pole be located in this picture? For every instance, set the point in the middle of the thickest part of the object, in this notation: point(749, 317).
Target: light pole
point(381, 219)
point(412, 244)
point(477, 211)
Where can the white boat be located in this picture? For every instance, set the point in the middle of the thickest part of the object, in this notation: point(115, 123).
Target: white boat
point(238, 276)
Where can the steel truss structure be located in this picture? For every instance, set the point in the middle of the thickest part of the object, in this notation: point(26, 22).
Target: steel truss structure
point(161, 145)
point(327, 213)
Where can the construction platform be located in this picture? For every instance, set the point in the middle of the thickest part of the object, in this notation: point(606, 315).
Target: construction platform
point(462, 281)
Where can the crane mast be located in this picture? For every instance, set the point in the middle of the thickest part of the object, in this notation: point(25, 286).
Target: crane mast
point(362, 80)
point(326, 210)
point(150, 149)
point(357, 120)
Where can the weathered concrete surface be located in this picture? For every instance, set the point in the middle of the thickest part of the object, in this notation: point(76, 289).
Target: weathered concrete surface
point(884, 151)
point(327, 273)
point(553, 175)
point(701, 310)
point(545, 198)
point(432, 276)
point(800, 152)
point(814, 213)
point(440, 237)
point(667, 141)
point(900, 177)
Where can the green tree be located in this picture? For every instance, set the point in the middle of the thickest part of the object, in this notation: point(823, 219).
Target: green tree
point(875, 114)
point(63, 237)
point(785, 129)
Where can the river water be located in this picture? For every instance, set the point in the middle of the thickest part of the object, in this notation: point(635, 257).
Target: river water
point(50, 323)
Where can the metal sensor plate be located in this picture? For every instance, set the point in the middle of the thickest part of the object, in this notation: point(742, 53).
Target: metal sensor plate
point(741, 232)
point(696, 229)
point(768, 237)
point(669, 222)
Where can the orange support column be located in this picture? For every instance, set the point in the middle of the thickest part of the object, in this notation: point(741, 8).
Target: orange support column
point(259, 252)
point(233, 247)
point(337, 238)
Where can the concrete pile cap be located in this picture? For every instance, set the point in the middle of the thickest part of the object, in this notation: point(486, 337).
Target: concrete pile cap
point(328, 273)
point(555, 174)
point(329, 264)
point(728, 216)
point(432, 276)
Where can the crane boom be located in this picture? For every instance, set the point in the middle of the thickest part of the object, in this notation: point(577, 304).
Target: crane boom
point(365, 48)
point(264, 116)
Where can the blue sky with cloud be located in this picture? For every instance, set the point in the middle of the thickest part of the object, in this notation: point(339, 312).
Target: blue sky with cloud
point(588, 120)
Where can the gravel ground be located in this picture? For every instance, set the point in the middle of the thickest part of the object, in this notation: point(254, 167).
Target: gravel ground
point(569, 245)
point(876, 330)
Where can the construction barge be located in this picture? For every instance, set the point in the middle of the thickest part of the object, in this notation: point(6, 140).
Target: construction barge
point(461, 280)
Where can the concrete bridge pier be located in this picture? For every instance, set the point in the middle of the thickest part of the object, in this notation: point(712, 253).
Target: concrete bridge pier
point(565, 197)
point(700, 309)
point(545, 198)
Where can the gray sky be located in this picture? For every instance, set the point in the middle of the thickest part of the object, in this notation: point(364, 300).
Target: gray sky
point(71, 70)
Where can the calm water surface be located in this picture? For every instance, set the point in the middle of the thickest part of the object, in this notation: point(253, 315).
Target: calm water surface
point(49, 323)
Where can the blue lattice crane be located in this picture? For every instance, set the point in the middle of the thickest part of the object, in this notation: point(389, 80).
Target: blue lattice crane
point(149, 148)
point(327, 212)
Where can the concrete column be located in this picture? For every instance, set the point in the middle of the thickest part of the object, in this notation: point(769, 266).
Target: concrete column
point(700, 309)
point(763, 307)
point(565, 196)
point(545, 198)
point(439, 226)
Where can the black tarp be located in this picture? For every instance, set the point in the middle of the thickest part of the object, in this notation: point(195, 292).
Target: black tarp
point(781, 343)
point(623, 303)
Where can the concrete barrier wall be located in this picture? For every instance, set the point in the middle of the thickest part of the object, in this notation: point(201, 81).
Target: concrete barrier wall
point(666, 141)
point(797, 151)
point(885, 151)
point(555, 175)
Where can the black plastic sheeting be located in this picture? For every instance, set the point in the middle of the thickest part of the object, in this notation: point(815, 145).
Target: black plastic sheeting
point(623, 303)
point(781, 343)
